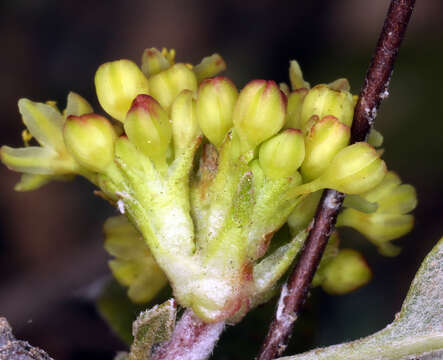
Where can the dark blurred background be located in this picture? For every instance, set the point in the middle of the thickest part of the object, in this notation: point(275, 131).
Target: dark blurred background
point(51, 257)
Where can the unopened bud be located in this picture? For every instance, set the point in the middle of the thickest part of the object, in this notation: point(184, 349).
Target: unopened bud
point(355, 169)
point(259, 113)
point(166, 85)
point(148, 128)
point(184, 121)
point(209, 67)
point(324, 140)
point(215, 104)
point(323, 101)
point(117, 84)
point(283, 154)
point(90, 140)
point(295, 105)
point(346, 272)
point(153, 61)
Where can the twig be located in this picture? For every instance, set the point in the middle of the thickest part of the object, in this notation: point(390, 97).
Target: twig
point(374, 90)
point(13, 349)
point(192, 339)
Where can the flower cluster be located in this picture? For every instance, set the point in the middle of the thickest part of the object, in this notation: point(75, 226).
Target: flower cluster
point(206, 174)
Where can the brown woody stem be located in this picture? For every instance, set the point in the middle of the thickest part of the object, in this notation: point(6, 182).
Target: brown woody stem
point(374, 90)
point(13, 349)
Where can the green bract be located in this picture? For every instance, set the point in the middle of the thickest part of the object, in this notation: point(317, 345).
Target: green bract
point(207, 174)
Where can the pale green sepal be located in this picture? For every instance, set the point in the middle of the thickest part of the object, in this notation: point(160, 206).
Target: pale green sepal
point(272, 267)
point(359, 203)
point(122, 239)
point(134, 265)
point(30, 182)
point(152, 326)
point(36, 160)
point(303, 213)
point(44, 122)
point(77, 105)
point(417, 331)
point(296, 76)
point(209, 67)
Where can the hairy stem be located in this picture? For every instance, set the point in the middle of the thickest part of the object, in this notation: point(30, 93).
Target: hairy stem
point(192, 339)
point(374, 90)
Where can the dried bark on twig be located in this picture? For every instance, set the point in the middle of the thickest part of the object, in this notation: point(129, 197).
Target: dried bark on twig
point(374, 90)
point(13, 349)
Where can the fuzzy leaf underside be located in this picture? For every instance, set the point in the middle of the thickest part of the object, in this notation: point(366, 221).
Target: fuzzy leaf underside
point(417, 330)
point(152, 327)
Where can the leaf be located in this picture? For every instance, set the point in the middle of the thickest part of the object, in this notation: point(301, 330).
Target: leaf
point(417, 330)
point(118, 310)
point(152, 327)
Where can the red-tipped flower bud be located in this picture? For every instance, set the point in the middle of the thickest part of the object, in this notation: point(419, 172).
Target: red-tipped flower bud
point(324, 140)
point(148, 128)
point(90, 140)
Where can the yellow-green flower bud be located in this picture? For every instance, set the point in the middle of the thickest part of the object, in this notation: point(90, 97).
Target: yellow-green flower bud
point(346, 272)
point(355, 169)
point(148, 128)
point(295, 104)
point(324, 140)
point(184, 121)
point(283, 154)
point(323, 101)
point(153, 61)
point(166, 85)
point(209, 67)
point(296, 76)
point(117, 83)
point(259, 113)
point(215, 104)
point(90, 140)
